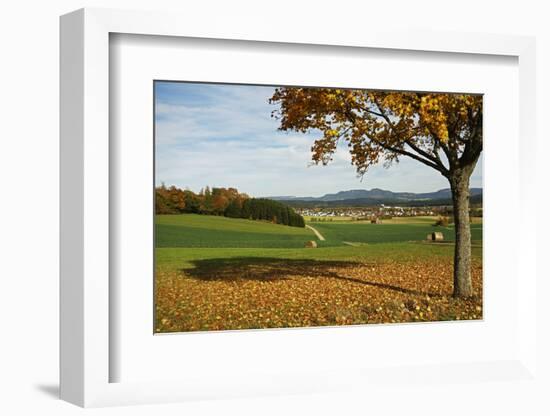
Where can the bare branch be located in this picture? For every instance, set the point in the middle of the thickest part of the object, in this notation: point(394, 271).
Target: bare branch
point(434, 158)
point(403, 152)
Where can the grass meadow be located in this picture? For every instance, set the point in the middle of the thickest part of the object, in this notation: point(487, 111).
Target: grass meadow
point(218, 273)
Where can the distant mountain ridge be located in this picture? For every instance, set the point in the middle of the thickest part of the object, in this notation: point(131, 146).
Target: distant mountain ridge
point(378, 196)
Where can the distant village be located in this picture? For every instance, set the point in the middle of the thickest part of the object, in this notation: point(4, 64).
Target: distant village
point(373, 212)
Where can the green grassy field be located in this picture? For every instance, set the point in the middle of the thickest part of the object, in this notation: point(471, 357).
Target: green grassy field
point(336, 233)
point(190, 230)
point(219, 273)
point(185, 241)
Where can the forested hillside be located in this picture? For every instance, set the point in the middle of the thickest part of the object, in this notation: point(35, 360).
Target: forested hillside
point(224, 201)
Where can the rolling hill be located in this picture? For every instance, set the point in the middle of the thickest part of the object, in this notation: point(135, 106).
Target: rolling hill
point(376, 196)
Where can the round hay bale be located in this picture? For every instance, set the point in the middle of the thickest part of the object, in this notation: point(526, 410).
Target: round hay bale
point(429, 237)
point(437, 236)
point(311, 244)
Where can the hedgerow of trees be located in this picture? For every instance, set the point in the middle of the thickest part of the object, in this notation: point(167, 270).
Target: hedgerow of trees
point(224, 202)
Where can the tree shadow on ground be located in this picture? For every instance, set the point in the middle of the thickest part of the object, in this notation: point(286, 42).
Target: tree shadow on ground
point(268, 269)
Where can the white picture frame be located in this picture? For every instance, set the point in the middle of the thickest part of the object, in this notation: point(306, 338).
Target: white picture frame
point(85, 351)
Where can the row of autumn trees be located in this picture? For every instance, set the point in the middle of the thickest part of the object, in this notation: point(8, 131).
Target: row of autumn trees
point(225, 202)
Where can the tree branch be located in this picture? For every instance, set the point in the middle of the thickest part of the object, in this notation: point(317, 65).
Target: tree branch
point(427, 160)
point(403, 152)
point(432, 161)
point(434, 158)
point(474, 145)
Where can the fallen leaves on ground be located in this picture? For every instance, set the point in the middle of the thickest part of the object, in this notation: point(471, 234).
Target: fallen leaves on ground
point(274, 294)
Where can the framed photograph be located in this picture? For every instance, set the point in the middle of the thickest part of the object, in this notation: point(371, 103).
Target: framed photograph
point(249, 234)
point(279, 214)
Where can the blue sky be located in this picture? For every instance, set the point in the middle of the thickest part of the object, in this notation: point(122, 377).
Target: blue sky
point(224, 136)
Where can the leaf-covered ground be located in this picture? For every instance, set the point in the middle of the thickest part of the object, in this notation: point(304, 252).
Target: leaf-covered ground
point(247, 292)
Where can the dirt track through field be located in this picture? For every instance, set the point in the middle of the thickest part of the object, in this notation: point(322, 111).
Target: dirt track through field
point(317, 233)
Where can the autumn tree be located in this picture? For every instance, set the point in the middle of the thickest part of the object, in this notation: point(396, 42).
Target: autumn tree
point(169, 200)
point(220, 200)
point(442, 131)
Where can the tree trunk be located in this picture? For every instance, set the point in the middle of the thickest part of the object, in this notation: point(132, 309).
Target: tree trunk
point(460, 188)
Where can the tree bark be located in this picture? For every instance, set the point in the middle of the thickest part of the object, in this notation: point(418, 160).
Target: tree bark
point(460, 188)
